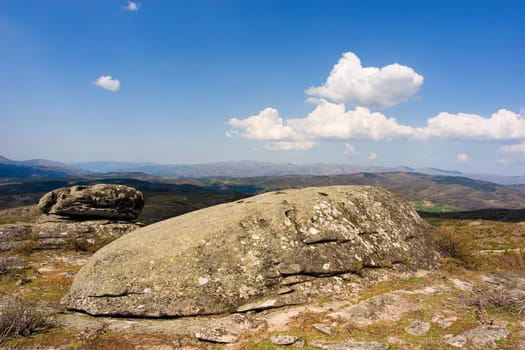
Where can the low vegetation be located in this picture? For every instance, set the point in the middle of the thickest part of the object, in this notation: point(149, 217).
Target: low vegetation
point(500, 300)
point(460, 248)
point(19, 318)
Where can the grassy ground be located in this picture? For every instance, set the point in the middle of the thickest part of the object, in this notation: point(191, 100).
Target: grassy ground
point(42, 278)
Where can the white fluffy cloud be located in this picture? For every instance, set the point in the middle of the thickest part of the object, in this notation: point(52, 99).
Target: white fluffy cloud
point(350, 83)
point(462, 157)
point(501, 125)
point(372, 156)
point(516, 148)
point(132, 6)
point(108, 83)
point(332, 121)
point(267, 125)
point(350, 149)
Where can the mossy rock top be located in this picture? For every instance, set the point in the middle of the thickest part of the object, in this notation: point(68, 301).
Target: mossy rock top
point(235, 256)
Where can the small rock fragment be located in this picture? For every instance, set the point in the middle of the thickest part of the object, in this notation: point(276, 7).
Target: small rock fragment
point(383, 307)
point(323, 328)
point(217, 335)
point(483, 337)
point(486, 336)
point(444, 320)
point(282, 339)
point(457, 341)
point(23, 281)
point(418, 328)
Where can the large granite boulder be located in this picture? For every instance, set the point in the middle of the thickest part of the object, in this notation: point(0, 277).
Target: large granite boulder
point(98, 201)
point(247, 255)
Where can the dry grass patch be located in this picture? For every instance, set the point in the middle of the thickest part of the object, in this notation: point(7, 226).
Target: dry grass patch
point(460, 248)
point(21, 319)
point(512, 261)
point(495, 300)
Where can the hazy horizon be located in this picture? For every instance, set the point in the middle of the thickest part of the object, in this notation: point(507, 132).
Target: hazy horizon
point(408, 83)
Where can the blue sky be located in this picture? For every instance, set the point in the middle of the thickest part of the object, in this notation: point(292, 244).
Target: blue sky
point(282, 81)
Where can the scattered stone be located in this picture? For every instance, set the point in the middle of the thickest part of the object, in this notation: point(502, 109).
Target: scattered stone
point(323, 328)
point(348, 345)
point(484, 337)
point(46, 269)
point(429, 290)
point(384, 307)
point(418, 328)
point(457, 341)
point(97, 201)
point(23, 281)
point(445, 319)
point(282, 339)
point(245, 250)
point(462, 285)
point(217, 335)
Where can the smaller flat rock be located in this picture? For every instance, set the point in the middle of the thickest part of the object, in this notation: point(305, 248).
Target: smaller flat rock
point(217, 335)
point(281, 339)
point(348, 345)
point(418, 328)
point(485, 337)
point(384, 307)
point(445, 319)
point(457, 341)
point(328, 330)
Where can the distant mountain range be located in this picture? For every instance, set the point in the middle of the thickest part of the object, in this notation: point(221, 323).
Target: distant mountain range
point(40, 168)
point(36, 168)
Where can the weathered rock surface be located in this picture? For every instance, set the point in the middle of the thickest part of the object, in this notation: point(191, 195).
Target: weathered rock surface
point(60, 234)
point(483, 337)
point(418, 328)
point(223, 258)
point(98, 201)
point(385, 307)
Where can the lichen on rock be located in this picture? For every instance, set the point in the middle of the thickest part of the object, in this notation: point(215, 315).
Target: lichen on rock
point(237, 256)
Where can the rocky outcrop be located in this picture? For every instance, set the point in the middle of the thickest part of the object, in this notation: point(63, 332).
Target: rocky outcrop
point(77, 217)
point(104, 201)
point(61, 234)
point(242, 256)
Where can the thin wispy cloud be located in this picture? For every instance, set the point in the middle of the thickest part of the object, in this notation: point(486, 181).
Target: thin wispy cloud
point(516, 148)
point(108, 83)
point(350, 149)
point(132, 6)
